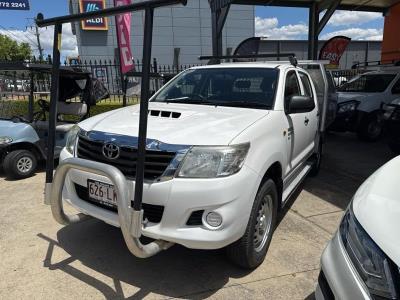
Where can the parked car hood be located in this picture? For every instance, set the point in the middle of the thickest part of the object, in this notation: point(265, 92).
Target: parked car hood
point(19, 132)
point(195, 124)
point(348, 96)
point(376, 206)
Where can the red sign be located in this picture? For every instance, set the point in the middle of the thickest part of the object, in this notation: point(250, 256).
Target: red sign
point(96, 23)
point(333, 49)
point(124, 38)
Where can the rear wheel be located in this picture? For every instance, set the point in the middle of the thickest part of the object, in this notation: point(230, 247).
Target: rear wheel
point(250, 250)
point(371, 128)
point(20, 164)
point(316, 160)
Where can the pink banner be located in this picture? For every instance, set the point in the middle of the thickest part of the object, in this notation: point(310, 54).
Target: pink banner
point(123, 23)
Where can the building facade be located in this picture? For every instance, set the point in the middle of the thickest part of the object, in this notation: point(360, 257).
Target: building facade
point(180, 35)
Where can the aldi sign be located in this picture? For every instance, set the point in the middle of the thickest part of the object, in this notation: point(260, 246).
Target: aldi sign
point(96, 23)
point(14, 4)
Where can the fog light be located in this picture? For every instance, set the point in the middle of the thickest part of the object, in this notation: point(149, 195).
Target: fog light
point(214, 219)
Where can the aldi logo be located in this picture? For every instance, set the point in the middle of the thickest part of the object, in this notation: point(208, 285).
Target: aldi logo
point(97, 23)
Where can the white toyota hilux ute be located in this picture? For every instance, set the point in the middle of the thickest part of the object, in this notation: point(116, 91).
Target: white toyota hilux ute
point(226, 146)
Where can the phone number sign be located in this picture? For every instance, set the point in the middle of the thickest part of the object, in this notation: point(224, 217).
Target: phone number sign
point(14, 4)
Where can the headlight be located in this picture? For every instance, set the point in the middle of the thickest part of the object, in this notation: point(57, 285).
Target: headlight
point(211, 162)
point(388, 111)
point(4, 140)
point(374, 267)
point(348, 106)
point(72, 136)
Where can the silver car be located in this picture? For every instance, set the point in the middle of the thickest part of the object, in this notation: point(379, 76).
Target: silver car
point(362, 260)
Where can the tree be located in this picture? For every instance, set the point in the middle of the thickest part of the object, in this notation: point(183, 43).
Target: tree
point(12, 50)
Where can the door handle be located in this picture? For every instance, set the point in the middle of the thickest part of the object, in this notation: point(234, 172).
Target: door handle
point(306, 121)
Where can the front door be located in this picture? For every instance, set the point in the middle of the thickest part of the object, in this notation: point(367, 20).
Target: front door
point(298, 133)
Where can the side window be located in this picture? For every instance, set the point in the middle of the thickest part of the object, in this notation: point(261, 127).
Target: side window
point(396, 87)
point(306, 84)
point(292, 87)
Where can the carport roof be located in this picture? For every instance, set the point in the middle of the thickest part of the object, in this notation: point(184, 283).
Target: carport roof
point(360, 5)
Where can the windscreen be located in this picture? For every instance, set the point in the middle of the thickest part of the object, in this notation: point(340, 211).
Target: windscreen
point(241, 87)
point(369, 83)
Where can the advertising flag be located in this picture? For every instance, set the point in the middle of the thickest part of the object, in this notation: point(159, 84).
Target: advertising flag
point(333, 50)
point(123, 23)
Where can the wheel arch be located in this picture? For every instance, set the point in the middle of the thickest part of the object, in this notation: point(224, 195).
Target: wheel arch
point(26, 146)
point(274, 172)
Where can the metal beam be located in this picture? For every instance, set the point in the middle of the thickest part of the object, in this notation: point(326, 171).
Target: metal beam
point(148, 6)
point(313, 31)
point(107, 12)
point(54, 94)
point(218, 19)
point(144, 108)
point(328, 14)
point(325, 4)
point(308, 4)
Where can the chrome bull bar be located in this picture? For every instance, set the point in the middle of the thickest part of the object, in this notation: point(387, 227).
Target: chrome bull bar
point(130, 220)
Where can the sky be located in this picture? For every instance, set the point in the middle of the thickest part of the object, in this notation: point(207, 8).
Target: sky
point(271, 22)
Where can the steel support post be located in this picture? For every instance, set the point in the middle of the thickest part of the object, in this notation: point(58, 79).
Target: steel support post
point(54, 94)
point(313, 31)
point(218, 19)
point(31, 97)
point(144, 106)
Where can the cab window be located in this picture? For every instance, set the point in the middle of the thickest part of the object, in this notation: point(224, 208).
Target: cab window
point(306, 85)
point(292, 87)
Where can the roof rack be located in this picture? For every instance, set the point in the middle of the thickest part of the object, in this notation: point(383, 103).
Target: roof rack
point(376, 63)
point(217, 59)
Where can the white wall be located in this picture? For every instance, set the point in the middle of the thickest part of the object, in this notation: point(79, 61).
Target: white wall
point(187, 28)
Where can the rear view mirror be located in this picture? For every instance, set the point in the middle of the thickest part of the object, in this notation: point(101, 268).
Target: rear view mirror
point(300, 104)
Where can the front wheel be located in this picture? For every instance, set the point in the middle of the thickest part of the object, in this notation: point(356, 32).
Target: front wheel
point(371, 128)
point(250, 250)
point(20, 164)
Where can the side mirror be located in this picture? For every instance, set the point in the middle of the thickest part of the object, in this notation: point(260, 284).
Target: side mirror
point(300, 104)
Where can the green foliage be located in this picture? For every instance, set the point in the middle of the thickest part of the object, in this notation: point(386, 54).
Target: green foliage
point(10, 108)
point(12, 50)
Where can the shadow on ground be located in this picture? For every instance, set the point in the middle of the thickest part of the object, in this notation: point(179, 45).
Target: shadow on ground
point(101, 248)
point(346, 163)
point(40, 168)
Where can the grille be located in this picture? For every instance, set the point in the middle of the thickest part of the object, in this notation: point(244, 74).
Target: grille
point(155, 163)
point(195, 218)
point(153, 213)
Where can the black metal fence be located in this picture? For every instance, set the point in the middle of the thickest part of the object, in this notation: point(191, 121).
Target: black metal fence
point(342, 76)
point(15, 85)
point(124, 90)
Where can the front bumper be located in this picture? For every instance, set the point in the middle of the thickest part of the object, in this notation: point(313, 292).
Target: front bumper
point(338, 278)
point(229, 196)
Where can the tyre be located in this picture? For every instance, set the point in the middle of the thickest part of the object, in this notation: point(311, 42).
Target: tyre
point(371, 128)
point(250, 250)
point(316, 160)
point(20, 164)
